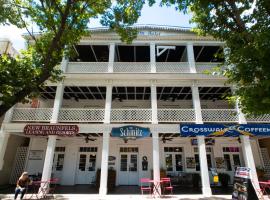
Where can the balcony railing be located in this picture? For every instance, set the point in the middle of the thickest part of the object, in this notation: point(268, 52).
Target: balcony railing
point(87, 67)
point(203, 67)
point(219, 115)
point(176, 115)
point(32, 114)
point(137, 67)
point(259, 118)
point(172, 67)
point(131, 115)
point(81, 115)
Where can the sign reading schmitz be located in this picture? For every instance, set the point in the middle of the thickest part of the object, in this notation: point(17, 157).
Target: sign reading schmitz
point(57, 129)
point(130, 132)
point(229, 130)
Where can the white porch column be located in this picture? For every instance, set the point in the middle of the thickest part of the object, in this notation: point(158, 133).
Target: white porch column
point(111, 57)
point(241, 116)
point(206, 189)
point(48, 161)
point(57, 103)
point(155, 136)
point(108, 105)
point(153, 57)
point(197, 104)
point(249, 159)
point(105, 144)
point(154, 104)
point(4, 136)
point(156, 163)
point(191, 58)
point(104, 164)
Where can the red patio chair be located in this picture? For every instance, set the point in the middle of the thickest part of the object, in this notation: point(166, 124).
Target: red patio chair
point(145, 185)
point(166, 185)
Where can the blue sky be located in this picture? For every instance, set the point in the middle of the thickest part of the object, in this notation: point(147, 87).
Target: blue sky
point(153, 15)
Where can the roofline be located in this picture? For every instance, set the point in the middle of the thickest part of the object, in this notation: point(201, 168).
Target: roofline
point(136, 26)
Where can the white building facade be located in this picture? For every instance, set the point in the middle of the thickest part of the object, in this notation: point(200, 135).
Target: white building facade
point(157, 82)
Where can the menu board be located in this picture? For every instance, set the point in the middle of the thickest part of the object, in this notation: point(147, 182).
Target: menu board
point(242, 186)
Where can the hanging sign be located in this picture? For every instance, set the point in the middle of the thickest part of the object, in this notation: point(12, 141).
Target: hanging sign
point(130, 132)
point(224, 130)
point(45, 130)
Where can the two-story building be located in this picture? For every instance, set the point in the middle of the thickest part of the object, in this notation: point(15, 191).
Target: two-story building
point(124, 105)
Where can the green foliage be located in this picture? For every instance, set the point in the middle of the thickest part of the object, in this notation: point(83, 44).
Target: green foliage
point(60, 25)
point(244, 26)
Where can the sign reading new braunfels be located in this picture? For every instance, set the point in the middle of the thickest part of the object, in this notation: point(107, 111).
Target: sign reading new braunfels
point(57, 129)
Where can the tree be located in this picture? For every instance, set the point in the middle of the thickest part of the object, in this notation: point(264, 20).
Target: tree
point(244, 25)
point(61, 24)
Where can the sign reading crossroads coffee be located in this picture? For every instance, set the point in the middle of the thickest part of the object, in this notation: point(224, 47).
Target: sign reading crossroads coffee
point(45, 130)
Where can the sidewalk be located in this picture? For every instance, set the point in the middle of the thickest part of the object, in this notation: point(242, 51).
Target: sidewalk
point(125, 197)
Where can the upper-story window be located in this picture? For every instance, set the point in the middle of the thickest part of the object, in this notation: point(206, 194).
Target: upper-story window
point(208, 53)
point(129, 53)
point(90, 53)
point(171, 53)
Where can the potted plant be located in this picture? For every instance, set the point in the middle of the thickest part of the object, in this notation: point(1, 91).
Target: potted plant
point(224, 179)
point(196, 180)
point(260, 172)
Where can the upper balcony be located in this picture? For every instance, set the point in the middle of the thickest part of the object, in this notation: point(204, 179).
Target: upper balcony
point(143, 59)
point(132, 105)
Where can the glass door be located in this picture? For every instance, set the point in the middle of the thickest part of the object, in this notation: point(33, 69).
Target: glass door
point(173, 160)
point(128, 172)
point(86, 167)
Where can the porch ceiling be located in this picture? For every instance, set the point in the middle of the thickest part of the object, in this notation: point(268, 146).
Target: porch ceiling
point(136, 93)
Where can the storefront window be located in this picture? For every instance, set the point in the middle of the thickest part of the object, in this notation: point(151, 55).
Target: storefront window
point(60, 162)
point(123, 163)
point(133, 163)
point(169, 164)
point(178, 162)
point(197, 160)
point(92, 162)
point(227, 162)
point(82, 162)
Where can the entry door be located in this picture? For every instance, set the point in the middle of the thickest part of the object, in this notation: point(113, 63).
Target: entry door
point(86, 168)
point(128, 172)
point(173, 160)
point(58, 162)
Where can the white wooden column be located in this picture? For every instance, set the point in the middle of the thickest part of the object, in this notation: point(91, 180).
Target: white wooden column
point(197, 104)
point(249, 159)
point(4, 136)
point(48, 161)
point(111, 57)
point(154, 104)
point(206, 189)
point(153, 57)
point(108, 105)
point(155, 135)
point(105, 144)
point(191, 58)
point(241, 116)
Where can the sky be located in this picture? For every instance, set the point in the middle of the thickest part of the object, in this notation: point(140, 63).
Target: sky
point(150, 15)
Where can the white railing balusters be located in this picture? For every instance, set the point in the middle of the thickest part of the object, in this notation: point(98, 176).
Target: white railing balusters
point(219, 115)
point(172, 67)
point(81, 115)
point(87, 67)
point(176, 115)
point(135, 67)
point(32, 114)
point(202, 67)
point(131, 115)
